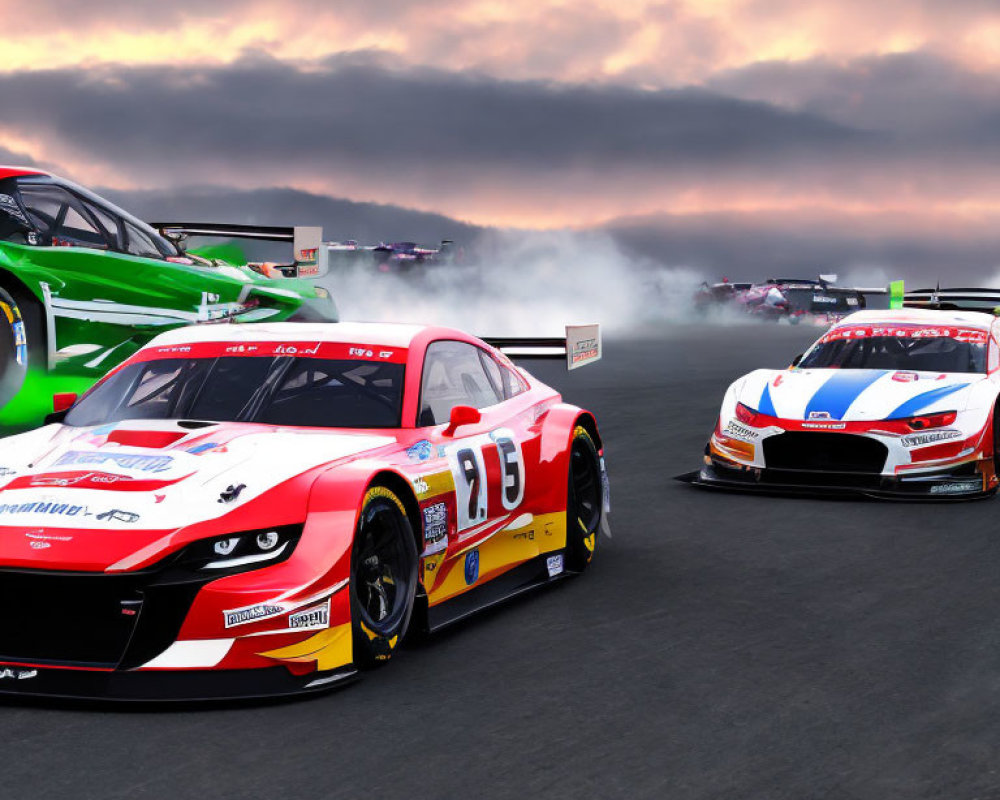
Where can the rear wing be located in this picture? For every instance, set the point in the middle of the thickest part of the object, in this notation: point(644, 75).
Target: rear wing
point(959, 299)
point(822, 296)
point(310, 255)
point(580, 346)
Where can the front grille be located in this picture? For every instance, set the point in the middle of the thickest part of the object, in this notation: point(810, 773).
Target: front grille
point(92, 619)
point(831, 480)
point(67, 617)
point(824, 452)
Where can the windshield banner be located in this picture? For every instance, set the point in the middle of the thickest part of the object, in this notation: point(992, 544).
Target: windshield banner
point(969, 335)
point(329, 350)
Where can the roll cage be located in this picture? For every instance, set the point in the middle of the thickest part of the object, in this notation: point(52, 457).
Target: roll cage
point(43, 211)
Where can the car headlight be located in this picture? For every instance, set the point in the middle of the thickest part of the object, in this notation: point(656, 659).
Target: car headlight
point(236, 551)
point(321, 292)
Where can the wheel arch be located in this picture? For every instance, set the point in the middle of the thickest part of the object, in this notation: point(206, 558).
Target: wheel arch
point(558, 425)
point(586, 421)
point(401, 487)
point(12, 282)
point(23, 294)
point(342, 491)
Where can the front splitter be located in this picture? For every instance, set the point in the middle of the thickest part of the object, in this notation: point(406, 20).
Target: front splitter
point(708, 477)
point(164, 685)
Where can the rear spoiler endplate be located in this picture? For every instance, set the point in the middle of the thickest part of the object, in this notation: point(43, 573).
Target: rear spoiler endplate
point(957, 299)
point(580, 346)
point(310, 255)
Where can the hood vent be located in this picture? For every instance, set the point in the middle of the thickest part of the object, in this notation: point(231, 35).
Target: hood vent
point(151, 439)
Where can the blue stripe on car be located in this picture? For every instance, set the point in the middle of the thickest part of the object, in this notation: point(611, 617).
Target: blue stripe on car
point(915, 404)
point(766, 405)
point(841, 389)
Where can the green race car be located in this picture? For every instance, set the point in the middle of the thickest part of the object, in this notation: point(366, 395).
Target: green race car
point(83, 285)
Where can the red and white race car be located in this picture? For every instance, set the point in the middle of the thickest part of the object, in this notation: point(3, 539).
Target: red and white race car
point(251, 510)
point(887, 403)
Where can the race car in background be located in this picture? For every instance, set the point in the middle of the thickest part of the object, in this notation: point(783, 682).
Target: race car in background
point(397, 257)
point(83, 285)
point(793, 299)
point(886, 403)
point(248, 510)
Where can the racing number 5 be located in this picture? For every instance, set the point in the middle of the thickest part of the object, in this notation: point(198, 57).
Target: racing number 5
point(512, 470)
point(468, 466)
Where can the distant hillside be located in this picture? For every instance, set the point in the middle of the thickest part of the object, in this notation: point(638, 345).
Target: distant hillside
point(747, 246)
point(341, 219)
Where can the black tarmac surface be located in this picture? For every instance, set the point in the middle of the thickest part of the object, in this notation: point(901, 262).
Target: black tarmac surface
point(721, 646)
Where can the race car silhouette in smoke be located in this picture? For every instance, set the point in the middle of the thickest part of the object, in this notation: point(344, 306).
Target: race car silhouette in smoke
point(790, 298)
point(392, 256)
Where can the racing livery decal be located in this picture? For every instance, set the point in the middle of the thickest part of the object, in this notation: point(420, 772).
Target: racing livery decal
point(289, 516)
point(887, 403)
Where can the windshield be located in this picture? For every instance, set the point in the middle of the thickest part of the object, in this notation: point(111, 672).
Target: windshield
point(163, 245)
point(275, 390)
point(905, 348)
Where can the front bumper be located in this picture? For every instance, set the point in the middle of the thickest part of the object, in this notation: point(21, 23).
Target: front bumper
point(157, 686)
point(965, 482)
point(163, 634)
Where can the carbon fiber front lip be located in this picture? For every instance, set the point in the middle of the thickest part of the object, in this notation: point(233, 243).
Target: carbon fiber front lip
point(163, 685)
point(709, 477)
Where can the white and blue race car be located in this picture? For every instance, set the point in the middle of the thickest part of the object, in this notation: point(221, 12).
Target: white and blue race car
point(886, 403)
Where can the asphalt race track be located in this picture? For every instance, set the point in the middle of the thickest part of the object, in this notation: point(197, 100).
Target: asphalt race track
point(721, 646)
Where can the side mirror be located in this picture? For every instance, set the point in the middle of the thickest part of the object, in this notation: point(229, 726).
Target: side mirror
point(62, 402)
point(797, 359)
point(176, 237)
point(461, 415)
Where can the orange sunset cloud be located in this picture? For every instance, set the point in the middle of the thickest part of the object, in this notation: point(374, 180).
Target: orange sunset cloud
point(546, 114)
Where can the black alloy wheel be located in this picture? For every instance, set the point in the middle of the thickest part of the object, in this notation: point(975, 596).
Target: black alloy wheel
point(584, 501)
point(383, 577)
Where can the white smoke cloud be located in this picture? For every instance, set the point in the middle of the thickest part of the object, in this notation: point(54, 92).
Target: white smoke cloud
point(522, 284)
point(866, 276)
point(990, 283)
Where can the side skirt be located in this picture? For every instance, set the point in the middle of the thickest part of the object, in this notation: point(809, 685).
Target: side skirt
point(524, 578)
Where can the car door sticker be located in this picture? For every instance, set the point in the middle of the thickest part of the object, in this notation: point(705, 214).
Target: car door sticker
point(511, 469)
point(468, 467)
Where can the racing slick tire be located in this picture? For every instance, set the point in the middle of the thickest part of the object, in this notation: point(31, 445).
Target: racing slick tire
point(383, 577)
point(584, 500)
point(19, 342)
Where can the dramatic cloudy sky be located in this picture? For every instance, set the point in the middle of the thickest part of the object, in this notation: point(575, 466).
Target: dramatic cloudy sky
point(830, 133)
